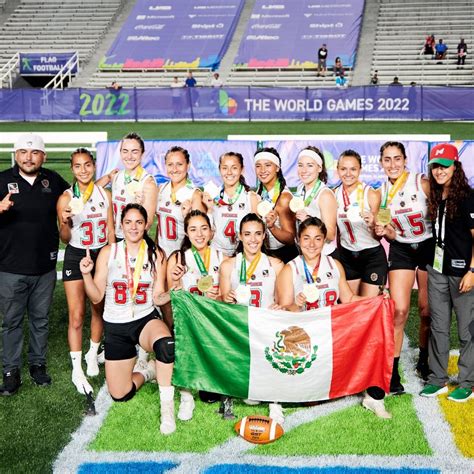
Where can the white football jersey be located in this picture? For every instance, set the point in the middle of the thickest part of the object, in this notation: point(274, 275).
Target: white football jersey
point(89, 228)
point(314, 210)
point(327, 281)
point(353, 231)
point(261, 283)
point(226, 222)
point(119, 307)
point(190, 278)
point(170, 217)
point(120, 198)
point(409, 209)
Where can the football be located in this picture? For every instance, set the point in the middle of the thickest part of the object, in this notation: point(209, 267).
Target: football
point(259, 429)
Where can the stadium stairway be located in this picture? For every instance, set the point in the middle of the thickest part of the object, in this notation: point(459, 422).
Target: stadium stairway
point(402, 28)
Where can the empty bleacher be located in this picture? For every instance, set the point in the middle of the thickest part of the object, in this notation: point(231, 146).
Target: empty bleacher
point(402, 28)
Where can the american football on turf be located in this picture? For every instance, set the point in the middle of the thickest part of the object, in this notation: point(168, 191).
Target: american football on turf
point(259, 429)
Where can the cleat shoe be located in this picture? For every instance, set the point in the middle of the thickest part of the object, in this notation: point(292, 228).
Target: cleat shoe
point(433, 390)
point(82, 384)
point(101, 358)
point(461, 395)
point(251, 403)
point(92, 364)
point(376, 406)
point(168, 424)
point(186, 406)
point(147, 369)
point(39, 375)
point(276, 413)
point(11, 383)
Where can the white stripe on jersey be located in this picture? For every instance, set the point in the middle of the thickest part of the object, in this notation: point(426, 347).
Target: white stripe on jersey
point(170, 217)
point(89, 228)
point(192, 275)
point(327, 281)
point(353, 232)
point(118, 305)
point(120, 198)
point(262, 282)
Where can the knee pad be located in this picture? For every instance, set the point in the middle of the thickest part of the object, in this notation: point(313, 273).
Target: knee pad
point(128, 396)
point(164, 350)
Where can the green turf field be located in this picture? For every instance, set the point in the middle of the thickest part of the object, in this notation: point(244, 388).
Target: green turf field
point(37, 423)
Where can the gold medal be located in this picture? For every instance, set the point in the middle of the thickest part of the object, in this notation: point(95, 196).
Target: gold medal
point(205, 283)
point(384, 216)
point(76, 205)
point(297, 204)
point(264, 207)
point(242, 294)
point(310, 290)
point(133, 187)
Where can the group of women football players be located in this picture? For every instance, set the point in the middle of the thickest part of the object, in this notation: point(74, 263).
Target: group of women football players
point(268, 248)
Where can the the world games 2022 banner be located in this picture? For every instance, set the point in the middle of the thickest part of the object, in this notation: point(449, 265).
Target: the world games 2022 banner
point(239, 103)
point(205, 158)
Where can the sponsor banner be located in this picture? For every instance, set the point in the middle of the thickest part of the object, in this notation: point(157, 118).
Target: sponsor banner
point(288, 33)
point(44, 64)
point(174, 34)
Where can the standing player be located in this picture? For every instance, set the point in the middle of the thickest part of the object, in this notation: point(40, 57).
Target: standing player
point(313, 197)
point(131, 274)
point(403, 219)
point(315, 280)
point(85, 222)
point(235, 201)
point(274, 207)
point(360, 253)
point(249, 278)
point(175, 199)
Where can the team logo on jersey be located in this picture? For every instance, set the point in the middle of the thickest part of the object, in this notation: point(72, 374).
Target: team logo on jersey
point(373, 276)
point(45, 183)
point(101, 204)
point(414, 198)
point(265, 273)
point(242, 205)
point(68, 272)
point(216, 268)
point(329, 275)
point(13, 188)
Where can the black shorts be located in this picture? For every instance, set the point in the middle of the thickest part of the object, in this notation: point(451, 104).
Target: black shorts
point(72, 258)
point(285, 253)
point(410, 256)
point(368, 265)
point(121, 338)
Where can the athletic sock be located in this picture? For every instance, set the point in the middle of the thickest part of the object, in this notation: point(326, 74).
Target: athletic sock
point(395, 374)
point(76, 360)
point(166, 393)
point(94, 347)
point(186, 395)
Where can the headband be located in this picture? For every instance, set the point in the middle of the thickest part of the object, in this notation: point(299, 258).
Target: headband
point(311, 154)
point(266, 155)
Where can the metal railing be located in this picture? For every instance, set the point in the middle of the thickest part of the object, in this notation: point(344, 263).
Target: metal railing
point(8, 69)
point(57, 82)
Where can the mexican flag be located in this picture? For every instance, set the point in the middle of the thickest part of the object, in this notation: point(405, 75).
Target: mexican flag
point(281, 356)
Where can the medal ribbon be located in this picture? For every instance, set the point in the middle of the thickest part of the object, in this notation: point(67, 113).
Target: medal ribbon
point(246, 274)
point(76, 192)
point(137, 177)
point(173, 192)
point(134, 279)
point(221, 201)
point(314, 191)
point(311, 277)
point(360, 197)
point(276, 193)
point(202, 265)
point(397, 186)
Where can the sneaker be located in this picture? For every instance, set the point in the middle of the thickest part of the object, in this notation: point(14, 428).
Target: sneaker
point(276, 413)
point(431, 390)
point(396, 388)
point(82, 384)
point(461, 395)
point(39, 375)
point(147, 369)
point(252, 403)
point(376, 406)
point(92, 364)
point(186, 406)
point(209, 397)
point(101, 357)
point(11, 382)
point(167, 425)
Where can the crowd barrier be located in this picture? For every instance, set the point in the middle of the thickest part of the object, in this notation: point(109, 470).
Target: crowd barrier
point(239, 103)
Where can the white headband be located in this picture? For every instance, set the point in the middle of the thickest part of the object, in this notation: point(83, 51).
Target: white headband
point(311, 154)
point(266, 155)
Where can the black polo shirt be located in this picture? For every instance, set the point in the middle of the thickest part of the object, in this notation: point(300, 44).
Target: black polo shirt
point(28, 230)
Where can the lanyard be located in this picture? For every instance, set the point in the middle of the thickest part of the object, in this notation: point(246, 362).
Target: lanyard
point(137, 177)
point(311, 276)
point(173, 192)
point(360, 196)
point(202, 265)
point(397, 186)
point(231, 201)
point(440, 222)
point(246, 274)
point(314, 191)
point(134, 279)
point(275, 193)
point(87, 194)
